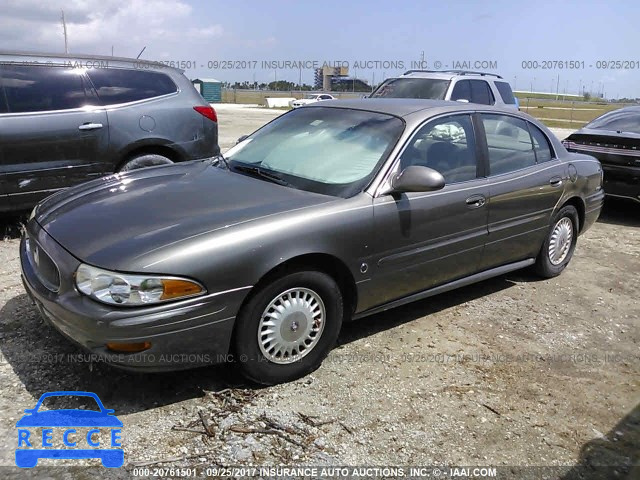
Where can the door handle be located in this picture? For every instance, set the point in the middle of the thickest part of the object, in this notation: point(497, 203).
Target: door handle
point(476, 201)
point(555, 182)
point(90, 126)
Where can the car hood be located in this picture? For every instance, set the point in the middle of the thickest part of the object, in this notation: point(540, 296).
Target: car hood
point(110, 221)
point(69, 418)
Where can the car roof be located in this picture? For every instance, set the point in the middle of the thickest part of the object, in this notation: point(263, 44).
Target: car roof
point(449, 74)
point(403, 107)
point(630, 108)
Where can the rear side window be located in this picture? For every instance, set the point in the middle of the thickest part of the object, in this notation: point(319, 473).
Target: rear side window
point(540, 144)
point(505, 92)
point(509, 143)
point(122, 86)
point(461, 91)
point(481, 93)
point(30, 88)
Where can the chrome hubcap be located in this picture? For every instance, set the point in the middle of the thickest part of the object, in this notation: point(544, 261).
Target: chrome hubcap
point(560, 243)
point(291, 325)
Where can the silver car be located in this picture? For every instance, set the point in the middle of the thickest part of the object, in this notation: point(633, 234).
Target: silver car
point(65, 120)
point(458, 85)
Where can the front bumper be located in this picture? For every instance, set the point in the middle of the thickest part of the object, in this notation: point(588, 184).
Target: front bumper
point(182, 334)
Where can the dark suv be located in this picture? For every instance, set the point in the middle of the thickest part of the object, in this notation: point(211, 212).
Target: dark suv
point(67, 119)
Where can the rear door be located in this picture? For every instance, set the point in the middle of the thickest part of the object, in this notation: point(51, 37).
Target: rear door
point(526, 182)
point(53, 134)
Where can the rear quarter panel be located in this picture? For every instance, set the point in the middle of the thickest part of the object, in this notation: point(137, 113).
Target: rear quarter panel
point(587, 172)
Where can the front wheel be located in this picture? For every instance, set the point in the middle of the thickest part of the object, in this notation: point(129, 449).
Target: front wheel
point(287, 328)
point(558, 247)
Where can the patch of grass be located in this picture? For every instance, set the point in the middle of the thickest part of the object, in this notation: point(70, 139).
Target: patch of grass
point(559, 124)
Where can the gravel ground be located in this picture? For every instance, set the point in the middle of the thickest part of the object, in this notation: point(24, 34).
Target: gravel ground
point(511, 371)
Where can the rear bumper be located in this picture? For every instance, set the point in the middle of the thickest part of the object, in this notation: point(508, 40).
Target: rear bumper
point(183, 334)
point(111, 458)
point(622, 182)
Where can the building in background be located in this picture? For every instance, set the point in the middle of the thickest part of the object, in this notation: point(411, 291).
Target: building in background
point(341, 84)
point(209, 88)
point(323, 76)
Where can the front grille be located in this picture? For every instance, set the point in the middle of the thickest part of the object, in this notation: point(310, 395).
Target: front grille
point(43, 266)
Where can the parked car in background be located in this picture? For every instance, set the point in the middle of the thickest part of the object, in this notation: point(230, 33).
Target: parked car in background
point(68, 119)
point(313, 98)
point(614, 139)
point(330, 212)
point(461, 85)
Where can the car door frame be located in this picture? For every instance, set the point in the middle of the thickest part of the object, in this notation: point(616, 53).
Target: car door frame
point(376, 293)
point(512, 248)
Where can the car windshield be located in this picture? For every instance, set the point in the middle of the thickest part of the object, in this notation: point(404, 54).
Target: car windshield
point(426, 88)
point(67, 402)
point(617, 121)
point(312, 97)
point(333, 151)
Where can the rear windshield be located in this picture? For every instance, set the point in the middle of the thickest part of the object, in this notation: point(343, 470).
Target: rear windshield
point(505, 92)
point(617, 121)
point(427, 88)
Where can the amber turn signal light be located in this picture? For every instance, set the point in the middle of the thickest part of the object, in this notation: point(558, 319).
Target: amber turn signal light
point(174, 288)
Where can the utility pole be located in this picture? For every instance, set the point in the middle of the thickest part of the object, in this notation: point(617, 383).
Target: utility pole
point(64, 30)
point(557, 86)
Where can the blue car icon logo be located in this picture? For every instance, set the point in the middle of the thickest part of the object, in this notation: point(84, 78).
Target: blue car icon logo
point(66, 422)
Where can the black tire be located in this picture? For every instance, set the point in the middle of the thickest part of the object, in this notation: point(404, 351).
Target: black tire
point(250, 359)
point(544, 266)
point(143, 161)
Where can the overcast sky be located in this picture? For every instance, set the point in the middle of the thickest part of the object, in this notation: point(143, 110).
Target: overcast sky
point(207, 31)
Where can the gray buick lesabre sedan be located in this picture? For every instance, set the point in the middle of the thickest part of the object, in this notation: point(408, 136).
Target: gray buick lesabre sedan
point(330, 212)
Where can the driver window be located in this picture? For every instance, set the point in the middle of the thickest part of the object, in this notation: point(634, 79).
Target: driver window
point(446, 145)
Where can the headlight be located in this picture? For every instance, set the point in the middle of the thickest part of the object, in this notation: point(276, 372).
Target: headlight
point(132, 290)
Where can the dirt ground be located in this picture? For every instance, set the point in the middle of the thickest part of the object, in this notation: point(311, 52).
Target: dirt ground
point(511, 371)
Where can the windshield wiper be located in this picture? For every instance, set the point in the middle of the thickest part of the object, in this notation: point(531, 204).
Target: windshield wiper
point(258, 172)
point(219, 157)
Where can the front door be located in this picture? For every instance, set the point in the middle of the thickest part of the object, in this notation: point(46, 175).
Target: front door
point(427, 239)
point(50, 138)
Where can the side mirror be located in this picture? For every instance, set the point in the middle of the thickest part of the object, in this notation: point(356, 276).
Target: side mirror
point(242, 139)
point(416, 179)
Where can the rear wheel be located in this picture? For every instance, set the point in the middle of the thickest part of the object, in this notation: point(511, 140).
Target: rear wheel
point(288, 327)
point(145, 160)
point(558, 247)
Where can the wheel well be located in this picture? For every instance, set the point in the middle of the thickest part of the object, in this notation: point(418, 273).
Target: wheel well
point(150, 149)
point(579, 206)
point(320, 262)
